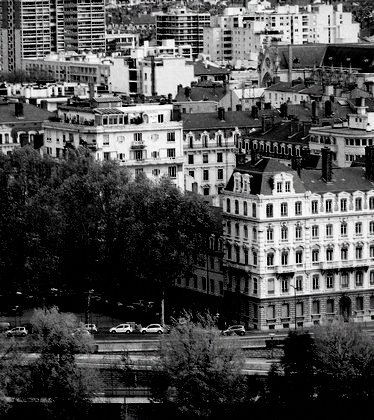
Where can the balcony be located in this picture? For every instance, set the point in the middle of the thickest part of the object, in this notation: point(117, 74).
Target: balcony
point(138, 145)
point(285, 269)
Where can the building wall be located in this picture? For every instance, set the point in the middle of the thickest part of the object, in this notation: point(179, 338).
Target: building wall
point(141, 140)
point(268, 284)
point(209, 161)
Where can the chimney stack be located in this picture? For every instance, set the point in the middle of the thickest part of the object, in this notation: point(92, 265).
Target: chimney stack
point(326, 164)
point(296, 164)
point(240, 159)
point(290, 59)
point(221, 113)
point(18, 109)
point(267, 123)
point(369, 162)
point(306, 128)
point(254, 112)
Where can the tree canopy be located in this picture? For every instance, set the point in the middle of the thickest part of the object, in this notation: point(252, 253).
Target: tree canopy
point(199, 372)
point(77, 225)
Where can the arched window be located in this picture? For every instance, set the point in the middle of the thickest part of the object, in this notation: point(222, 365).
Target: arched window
point(269, 234)
point(236, 207)
point(228, 224)
point(270, 259)
point(245, 208)
point(269, 210)
point(284, 233)
point(245, 228)
point(236, 229)
point(228, 205)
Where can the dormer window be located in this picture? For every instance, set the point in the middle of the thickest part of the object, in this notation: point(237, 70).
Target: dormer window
point(246, 186)
point(237, 182)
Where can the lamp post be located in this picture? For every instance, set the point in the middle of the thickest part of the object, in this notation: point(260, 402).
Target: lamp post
point(295, 289)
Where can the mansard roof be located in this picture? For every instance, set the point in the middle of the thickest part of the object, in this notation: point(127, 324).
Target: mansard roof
point(263, 171)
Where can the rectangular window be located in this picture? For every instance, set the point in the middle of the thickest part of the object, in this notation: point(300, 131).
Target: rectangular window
point(315, 231)
point(358, 204)
point(298, 208)
point(343, 204)
point(329, 254)
point(190, 159)
point(172, 171)
point(329, 231)
point(358, 228)
point(138, 137)
point(371, 278)
point(315, 307)
point(315, 282)
point(255, 286)
point(358, 253)
point(287, 186)
point(271, 312)
point(284, 209)
point(329, 281)
point(219, 157)
point(170, 153)
point(271, 286)
point(269, 210)
point(299, 309)
point(220, 174)
point(314, 207)
point(330, 306)
point(205, 158)
point(343, 229)
point(285, 310)
point(206, 174)
point(299, 283)
point(279, 187)
point(328, 206)
point(254, 210)
point(344, 280)
point(160, 118)
point(171, 136)
point(284, 284)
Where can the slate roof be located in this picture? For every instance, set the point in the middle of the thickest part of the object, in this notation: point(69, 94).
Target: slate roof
point(286, 87)
point(30, 113)
point(343, 179)
point(305, 55)
point(280, 133)
point(263, 171)
point(209, 120)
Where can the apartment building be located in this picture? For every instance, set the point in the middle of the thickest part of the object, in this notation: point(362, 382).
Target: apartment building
point(70, 67)
point(184, 26)
point(299, 244)
point(349, 139)
point(145, 138)
point(211, 143)
point(35, 28)
point(240, 34)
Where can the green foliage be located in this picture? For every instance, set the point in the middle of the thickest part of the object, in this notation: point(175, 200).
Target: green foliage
point(70, 224)
point(199, 372)
point(335, 366)
point(55, 376)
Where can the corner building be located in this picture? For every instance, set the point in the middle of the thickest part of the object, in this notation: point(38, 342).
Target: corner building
point(299, 245)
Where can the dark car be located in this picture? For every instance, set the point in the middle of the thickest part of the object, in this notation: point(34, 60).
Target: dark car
point(234, 329)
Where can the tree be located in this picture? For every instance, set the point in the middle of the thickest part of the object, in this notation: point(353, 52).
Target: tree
point(333, 368)
point(344, 362)
point(199, 374)
point(55, 375)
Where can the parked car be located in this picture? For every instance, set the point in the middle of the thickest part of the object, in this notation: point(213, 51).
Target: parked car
point(17, 332)
point(91, 328)
point(234, 329)
point(121, 328)
point(152, 328)
point(81, 332)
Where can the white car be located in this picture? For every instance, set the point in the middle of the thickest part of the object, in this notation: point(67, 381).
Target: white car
point(152, 328)
point(17, 332)
point(121, 328)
